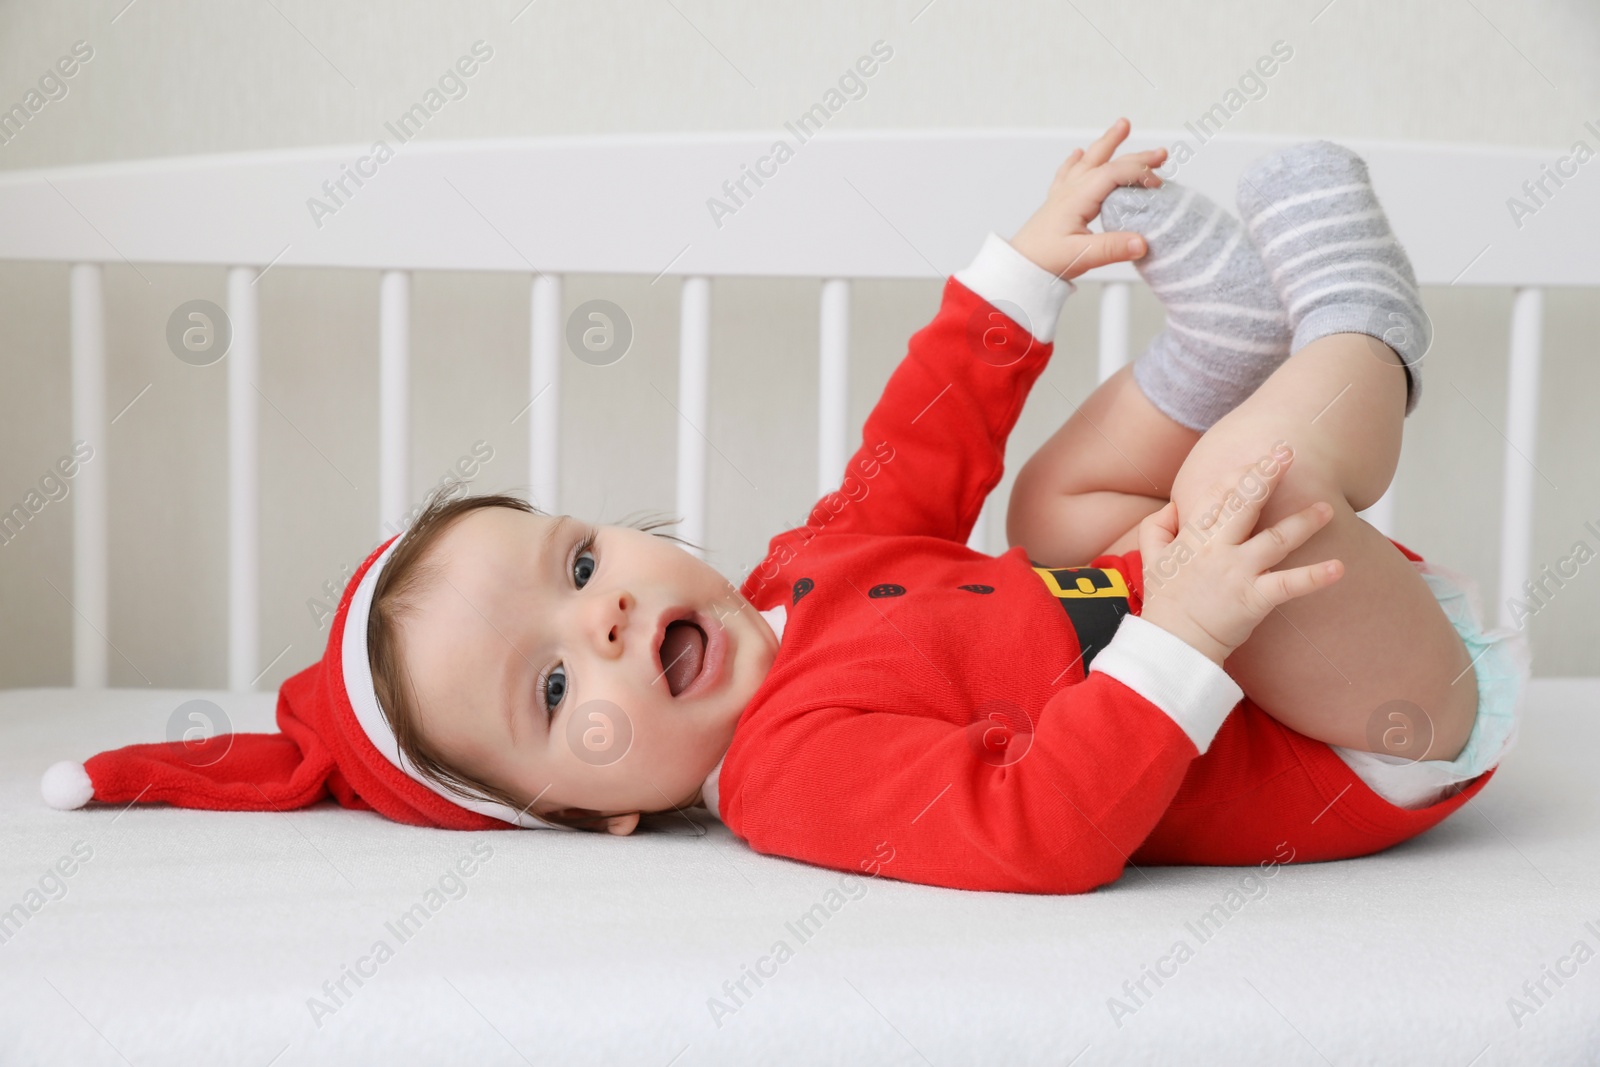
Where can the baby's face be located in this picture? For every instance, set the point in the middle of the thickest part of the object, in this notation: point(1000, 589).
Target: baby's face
point(538, 667)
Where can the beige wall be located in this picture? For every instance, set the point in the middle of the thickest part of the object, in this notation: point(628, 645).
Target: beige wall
point(185, 76)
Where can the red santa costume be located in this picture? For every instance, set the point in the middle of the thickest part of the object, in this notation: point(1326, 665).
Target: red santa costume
point(942, 716)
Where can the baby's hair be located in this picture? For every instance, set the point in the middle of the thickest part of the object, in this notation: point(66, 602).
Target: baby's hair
point(398, 596)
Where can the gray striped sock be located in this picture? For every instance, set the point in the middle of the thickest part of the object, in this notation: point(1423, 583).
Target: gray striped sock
point(1226, 331)
point(1337, 266)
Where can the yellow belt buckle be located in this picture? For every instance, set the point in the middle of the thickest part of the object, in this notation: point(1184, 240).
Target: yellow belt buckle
point(1083, 581)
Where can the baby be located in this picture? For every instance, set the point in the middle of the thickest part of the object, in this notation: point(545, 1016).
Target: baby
point(1195, 651)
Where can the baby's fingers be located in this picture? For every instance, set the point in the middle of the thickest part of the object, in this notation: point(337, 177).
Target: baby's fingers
point(1287, 534)
point(1092, 250)
point(1158, 530)
point(1101, 150)
point(1238, 506)
point(1279, 587)
point(1067, 169)
point(1135, 169)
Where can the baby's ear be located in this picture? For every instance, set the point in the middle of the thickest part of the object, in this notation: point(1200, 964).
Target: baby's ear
point(622, 825)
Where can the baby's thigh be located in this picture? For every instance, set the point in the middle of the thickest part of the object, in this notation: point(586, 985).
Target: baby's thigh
point(1370, 662)
point(1108, 466)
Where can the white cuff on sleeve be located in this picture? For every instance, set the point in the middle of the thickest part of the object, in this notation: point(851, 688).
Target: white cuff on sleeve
point(1012, 282)
point(1172, 674)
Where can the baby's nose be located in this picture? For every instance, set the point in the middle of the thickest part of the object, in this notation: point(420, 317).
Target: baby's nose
point(621, 620)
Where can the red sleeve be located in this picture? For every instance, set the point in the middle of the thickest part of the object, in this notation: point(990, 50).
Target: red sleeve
point(933, 447)
point(906, 794)
point(985, 806)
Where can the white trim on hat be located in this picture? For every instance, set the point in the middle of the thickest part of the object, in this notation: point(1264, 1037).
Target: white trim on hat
point(363, 698)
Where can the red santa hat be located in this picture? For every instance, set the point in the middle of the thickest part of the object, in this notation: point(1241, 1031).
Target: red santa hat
point(334, 741)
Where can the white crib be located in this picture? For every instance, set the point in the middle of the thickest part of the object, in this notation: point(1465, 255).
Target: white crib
point(950, 976)
point(848, 206)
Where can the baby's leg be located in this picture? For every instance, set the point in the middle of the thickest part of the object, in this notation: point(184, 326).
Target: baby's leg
point(1113, 461)
point(1326, 665)
point(1111, 464)
point(1117, 459)
point(1332, 664)
point(1374, 651)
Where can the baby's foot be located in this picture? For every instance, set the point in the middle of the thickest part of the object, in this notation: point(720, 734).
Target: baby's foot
point(1314, 218)
point(1226, 331)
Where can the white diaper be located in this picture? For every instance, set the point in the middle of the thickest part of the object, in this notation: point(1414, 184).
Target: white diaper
point(1502, 660)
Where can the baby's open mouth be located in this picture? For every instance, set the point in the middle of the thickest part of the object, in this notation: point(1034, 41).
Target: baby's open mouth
point(683, 654)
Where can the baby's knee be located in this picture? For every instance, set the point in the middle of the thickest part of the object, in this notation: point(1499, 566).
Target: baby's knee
point(1231, 485)
point(1038, 521)
point(1069, 529)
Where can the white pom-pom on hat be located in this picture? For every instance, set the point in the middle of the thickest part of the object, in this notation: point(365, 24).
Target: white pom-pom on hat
point(66, 786)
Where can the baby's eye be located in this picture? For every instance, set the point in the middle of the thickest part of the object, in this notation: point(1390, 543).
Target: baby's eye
point(553, 688)
point(581, 573)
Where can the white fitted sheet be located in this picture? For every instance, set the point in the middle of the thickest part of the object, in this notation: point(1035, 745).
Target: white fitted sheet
point(199, 937)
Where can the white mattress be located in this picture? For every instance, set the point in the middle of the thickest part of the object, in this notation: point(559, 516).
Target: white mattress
point(199, 937)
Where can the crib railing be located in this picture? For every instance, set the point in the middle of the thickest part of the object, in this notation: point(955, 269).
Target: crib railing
point(846, 206)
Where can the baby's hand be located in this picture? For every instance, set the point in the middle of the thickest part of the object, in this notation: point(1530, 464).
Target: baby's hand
point(1214, 594)
point(1057, 237)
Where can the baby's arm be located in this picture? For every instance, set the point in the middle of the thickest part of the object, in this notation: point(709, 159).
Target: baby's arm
point(929, 798)
point(933, 447)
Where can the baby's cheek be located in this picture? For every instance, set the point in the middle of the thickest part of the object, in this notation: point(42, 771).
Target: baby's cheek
point(677, 749)
point(598, 734)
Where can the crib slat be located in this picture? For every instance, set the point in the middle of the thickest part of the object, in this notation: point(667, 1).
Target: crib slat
point(1115, 315)
point(394, 401)
point(833, 386)
point(90, 568)
point(244, 482)
point(1522, 425)
point(694, 365)
point(544, 416)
